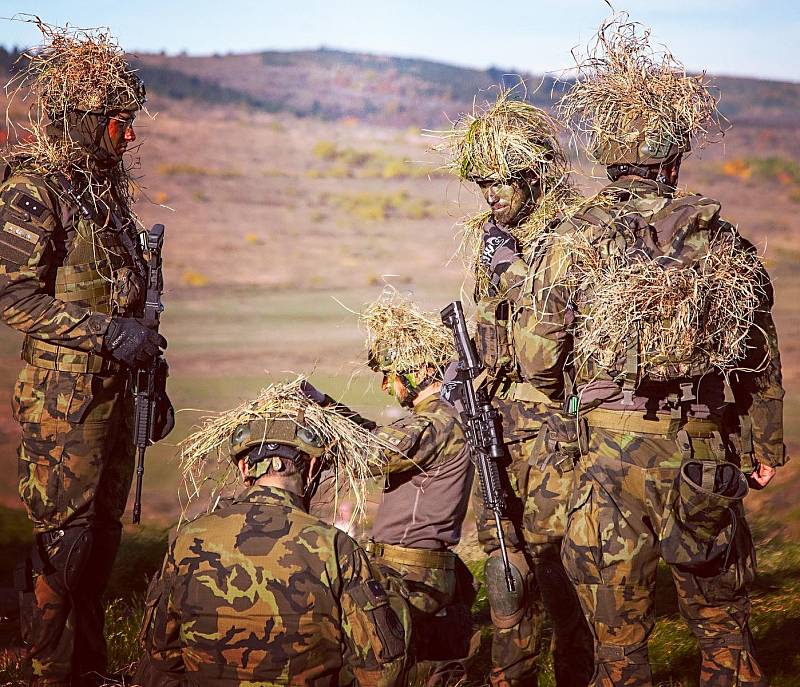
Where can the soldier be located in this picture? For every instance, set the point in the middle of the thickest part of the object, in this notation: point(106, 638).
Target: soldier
point(666, 310)
point(511, 152)
point(72, 280)
point(259, 591)
point(428, 475)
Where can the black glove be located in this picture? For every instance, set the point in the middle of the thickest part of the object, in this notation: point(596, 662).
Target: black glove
point(131, 343)
point(498, 247)
point(312, 393)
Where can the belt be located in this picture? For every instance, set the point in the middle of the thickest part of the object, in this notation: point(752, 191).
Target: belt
point(53, 357)
point(404, 555)
point(634, 422)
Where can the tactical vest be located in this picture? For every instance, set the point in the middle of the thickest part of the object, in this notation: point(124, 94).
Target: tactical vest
point(101, 270)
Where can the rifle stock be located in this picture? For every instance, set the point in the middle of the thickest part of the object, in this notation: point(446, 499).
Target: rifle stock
point(480, 425)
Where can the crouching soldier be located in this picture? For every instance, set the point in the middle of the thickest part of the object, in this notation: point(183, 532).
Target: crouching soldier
point(259, 591)
point(428, 477)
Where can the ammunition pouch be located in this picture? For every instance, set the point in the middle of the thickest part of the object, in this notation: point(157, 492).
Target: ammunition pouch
point(702, 530)
point(53, 357)
point(558, 443)
point(491, 335)
point(507, 608)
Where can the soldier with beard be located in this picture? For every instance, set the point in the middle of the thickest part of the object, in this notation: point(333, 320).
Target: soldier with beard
point(511, 152)
point(72, 280)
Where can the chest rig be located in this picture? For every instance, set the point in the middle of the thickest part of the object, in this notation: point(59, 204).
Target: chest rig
point(96, 264)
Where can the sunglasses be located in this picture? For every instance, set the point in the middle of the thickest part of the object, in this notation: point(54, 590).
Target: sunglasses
point(125, 122)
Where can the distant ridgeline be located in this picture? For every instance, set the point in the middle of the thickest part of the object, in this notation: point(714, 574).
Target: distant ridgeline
point(395, 91)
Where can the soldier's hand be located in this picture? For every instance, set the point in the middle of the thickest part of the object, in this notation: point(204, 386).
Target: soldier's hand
point(312, 393)
point(128, 341)
point(761, 476)
point(498, 247)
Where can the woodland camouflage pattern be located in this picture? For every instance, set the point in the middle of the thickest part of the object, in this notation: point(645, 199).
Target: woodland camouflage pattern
point(628, 473)
point(539, 485)
point(261, 592)
point(61, 279)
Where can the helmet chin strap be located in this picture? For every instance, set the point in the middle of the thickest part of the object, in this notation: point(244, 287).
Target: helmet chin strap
point(414, 389)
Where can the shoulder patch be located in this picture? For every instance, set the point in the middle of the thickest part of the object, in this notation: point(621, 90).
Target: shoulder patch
point(25, 203)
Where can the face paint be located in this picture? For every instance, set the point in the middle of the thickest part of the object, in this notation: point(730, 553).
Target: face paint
point(120, 132)
point(508, 200)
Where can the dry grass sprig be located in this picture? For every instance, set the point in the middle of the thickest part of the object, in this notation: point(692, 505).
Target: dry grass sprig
point(76, 70)
point(352, 450)
point(403, 338)
point(530, 233)
point(687, 316)
point(626, 92)
point(505, 140)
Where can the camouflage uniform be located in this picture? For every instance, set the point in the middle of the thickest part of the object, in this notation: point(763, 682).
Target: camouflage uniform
point(539, 485)
point(261, 592)
point(62, 277)
point(426, 492)
point(628, 504)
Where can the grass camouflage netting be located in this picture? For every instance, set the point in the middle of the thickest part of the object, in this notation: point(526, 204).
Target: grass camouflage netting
point(686, 317)
point(504, 140)
point(403, 338)
point(626, 92)
point(76, 69)
point(205, 464)
point(560, 201)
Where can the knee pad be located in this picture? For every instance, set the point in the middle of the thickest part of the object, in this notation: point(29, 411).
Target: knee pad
point(66, 553)
point(507, 608)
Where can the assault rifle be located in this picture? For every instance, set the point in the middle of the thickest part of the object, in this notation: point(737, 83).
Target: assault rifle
point(480, 426)
point(149, 382)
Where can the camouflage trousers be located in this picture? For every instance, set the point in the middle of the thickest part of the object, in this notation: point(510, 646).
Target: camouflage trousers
point(533, 530)
point(75, 471)
point(622, 508)
point(439, 597)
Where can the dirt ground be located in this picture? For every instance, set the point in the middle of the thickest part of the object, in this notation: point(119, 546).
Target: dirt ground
point(277, 225)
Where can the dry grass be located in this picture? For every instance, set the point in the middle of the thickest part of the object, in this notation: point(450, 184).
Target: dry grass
point(402, 338)
point(686, 317)
point(505, 140)
point(351, 449)
point(627, 93)
point(76, 70)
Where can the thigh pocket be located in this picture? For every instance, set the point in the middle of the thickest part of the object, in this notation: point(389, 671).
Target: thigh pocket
point(45, 396)
point(581, 551)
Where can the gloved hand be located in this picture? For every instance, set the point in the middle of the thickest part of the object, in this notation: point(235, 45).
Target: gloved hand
point(312, 393)
point(128, 341)
point(450, 391)
point(499, 247)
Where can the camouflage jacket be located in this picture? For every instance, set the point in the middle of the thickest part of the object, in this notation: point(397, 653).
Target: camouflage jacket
point(62, 276)
point(546, 325)
point(428, 478)
point(508, 355)
point(261, 592)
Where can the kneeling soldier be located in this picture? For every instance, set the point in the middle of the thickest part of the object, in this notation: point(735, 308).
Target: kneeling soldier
point(259, 591)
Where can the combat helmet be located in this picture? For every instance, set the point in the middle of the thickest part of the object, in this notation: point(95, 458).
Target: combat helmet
point(632, 105)
point(263, 438)
point(79, 70)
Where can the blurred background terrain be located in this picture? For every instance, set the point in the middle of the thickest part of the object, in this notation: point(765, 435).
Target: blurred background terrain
point(295, 184)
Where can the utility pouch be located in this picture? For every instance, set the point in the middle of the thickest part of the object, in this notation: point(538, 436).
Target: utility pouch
point(388, 639)
point(491, 335)
point(700, 531)
point(557, 444)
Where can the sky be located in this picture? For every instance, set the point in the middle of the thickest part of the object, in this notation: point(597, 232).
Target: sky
point(731, 37)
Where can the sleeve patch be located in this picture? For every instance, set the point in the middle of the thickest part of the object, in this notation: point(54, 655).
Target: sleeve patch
point(25, 234)
point(26, 203)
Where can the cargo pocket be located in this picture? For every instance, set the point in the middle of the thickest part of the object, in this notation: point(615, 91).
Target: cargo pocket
point(581, 551)
point(701, 530)
point(383, 631)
